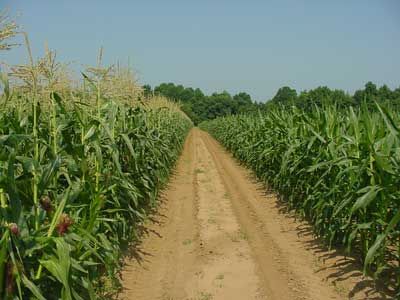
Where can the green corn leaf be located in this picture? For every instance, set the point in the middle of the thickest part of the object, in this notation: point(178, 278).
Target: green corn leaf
point(380, 239)
point(48, 174)
point(367, 198)
point(56, 217)
point(90, 133)
point(32, 287)
point(390, 123)
point(57, 98)
point(3, 256)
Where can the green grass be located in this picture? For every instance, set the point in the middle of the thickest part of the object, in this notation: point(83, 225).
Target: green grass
point(187, 242)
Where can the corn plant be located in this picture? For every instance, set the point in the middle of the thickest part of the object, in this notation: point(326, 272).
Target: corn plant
point(8, 29)
point(79, 168)
point(339, 170)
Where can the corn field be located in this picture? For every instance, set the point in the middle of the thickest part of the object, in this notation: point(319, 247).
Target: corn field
point(80, 165)
point(339, 170)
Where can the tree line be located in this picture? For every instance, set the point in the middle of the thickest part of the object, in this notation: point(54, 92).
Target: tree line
point(200, 107)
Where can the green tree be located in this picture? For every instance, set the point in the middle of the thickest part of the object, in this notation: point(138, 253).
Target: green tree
point(147, 90)
point(285, 95)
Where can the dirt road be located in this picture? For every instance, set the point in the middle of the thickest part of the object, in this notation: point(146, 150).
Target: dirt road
point(219, 235)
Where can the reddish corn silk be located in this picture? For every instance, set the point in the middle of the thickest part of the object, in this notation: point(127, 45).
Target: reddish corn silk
point(14, 229)
point(46, 204)
point(65, 222)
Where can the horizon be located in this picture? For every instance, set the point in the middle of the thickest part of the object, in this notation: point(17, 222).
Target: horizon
point(224, 47)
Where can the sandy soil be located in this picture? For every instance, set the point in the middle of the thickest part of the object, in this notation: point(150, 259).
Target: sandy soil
point(219, 235)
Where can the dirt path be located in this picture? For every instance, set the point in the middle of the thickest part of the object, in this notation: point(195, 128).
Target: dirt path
point(218, 235)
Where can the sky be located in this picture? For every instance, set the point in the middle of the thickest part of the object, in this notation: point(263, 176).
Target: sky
point(253, 46)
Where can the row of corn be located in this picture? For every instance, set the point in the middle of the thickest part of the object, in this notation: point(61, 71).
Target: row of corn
point(340, 170)
point(79, 168)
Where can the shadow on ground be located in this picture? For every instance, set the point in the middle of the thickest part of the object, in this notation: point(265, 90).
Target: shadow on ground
point(336, 265)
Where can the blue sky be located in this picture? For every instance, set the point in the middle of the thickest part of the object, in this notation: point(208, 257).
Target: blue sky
point(253, 46)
